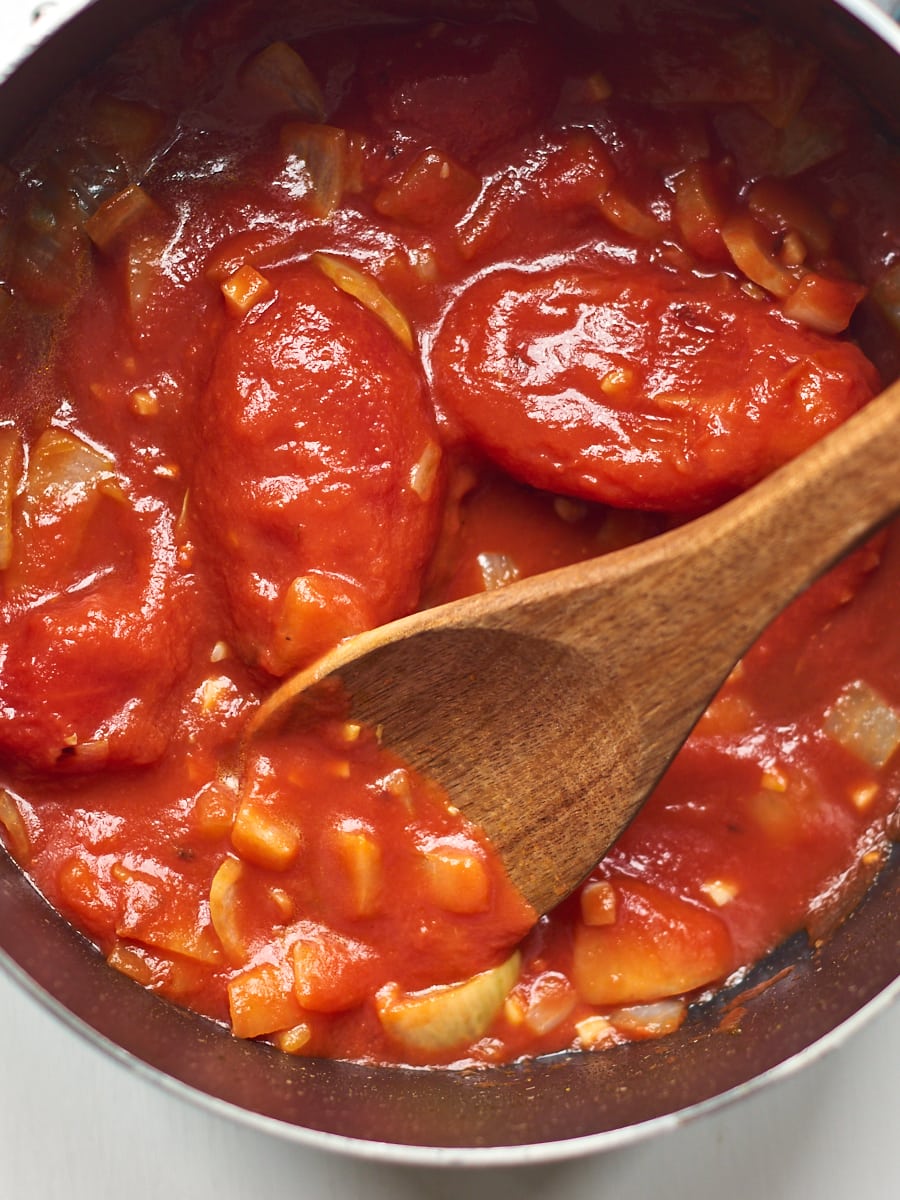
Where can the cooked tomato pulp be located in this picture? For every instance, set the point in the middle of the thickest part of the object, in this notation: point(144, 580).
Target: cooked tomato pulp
point(304, 327)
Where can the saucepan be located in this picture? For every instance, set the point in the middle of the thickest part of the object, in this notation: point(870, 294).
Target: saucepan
point(795, 1004)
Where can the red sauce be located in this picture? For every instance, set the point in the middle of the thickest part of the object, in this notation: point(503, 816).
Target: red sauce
point(305, 327)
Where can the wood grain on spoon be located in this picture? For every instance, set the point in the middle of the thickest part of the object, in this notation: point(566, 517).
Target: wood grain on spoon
point(550, 708)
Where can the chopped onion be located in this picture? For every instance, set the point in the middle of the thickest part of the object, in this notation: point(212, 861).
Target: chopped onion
point(359, 855)
point(497, 570)
point(263, 838)
point(118, 214)
point(751, 247)
point(224, 909)
point(550, 998)
point(822, 303)
point(649, 1020)
point(627, 217)
point(11, 460)
point(423, 477)
point(279, 74)
point(318, 162)
point(455, 1014)
point(244, 289)
point(365, 289)
point(17, 834)
point(863, 722)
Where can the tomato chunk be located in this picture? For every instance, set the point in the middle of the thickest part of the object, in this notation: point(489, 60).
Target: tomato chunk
point(315, 421)
point(655, 390)
point(87, 674)
point(440, 83)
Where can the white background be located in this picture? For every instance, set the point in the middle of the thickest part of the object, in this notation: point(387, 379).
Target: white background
point(75, 1124)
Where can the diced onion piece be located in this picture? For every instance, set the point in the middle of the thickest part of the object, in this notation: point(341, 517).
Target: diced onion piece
point(594, 1032)
point(320, 153)
point(279, 74)
point(294, 1040)
point(863, 795)
point(751, 247)
point(315, 615)
point(549, 1000)
point(18, 838)
point(424, 475)
point(213, 812)
point(243, 289)
point(598, 902)
point(497, 570)
point(443, 1018)
point(129, 961)
point(118, 214)
point(144, 402)
point(822, 303)
point(64, 471)
point(644, 1021)
point(261, 1000)
point(224, 909)
point(91, 754)
point(361, 862)
point(364, 289)
point(456, 879)
point(865, 723)
point(11, 462)
point(627, 217)
point(700, 208)
point(720, 891)
point(263, 838)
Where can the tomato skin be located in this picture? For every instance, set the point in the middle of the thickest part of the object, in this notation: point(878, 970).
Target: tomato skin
point(313, 421)
point(655, 390)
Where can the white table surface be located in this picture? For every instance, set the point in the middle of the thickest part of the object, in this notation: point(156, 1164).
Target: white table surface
point(77, 1125)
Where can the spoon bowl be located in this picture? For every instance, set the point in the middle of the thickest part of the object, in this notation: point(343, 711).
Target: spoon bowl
point(549, 709)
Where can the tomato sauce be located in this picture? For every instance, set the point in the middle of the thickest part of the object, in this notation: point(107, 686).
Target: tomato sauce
point(305, 324)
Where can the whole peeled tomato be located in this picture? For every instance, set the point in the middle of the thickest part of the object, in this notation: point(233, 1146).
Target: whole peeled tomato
point(315, 424)
point(653, 389)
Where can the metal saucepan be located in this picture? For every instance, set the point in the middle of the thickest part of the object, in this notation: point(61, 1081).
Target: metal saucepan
point(559, 1107)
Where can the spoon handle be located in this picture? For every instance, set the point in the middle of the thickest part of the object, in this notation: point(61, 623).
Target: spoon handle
point(690, 602)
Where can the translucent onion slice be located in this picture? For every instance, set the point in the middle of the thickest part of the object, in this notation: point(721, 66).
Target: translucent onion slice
point(863, 722)
point(118, 214)
point(750, 245)
point(279, 74)
point(65, 471)
point(224, 909)
point(360, 858)
point(321, 155)
point(364, 289)
point(644, 1021)
point(497, 570)
point(443, 1018)
point(17, 836)
point(11, 460)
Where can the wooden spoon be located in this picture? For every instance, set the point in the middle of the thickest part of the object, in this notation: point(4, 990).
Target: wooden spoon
point(549, 709)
